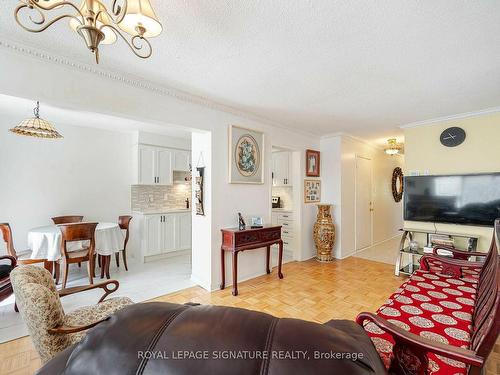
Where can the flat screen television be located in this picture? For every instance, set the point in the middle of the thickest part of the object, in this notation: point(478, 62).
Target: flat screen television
point(471, 199)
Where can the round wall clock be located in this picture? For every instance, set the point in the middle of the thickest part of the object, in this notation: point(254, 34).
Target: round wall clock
point(452, 137)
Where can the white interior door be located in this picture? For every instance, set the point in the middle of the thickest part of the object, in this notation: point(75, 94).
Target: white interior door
point(364, 203)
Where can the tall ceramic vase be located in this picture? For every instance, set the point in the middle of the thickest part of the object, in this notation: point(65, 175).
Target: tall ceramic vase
point(324, 233)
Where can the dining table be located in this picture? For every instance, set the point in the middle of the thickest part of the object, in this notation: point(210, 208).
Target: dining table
point(45, 243)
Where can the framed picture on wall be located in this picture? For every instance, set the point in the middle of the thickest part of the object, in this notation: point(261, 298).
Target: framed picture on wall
point(312, 191)
point(246, 149)
point(312, 163)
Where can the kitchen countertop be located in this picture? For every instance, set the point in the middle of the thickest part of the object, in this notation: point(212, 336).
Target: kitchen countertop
point(160, 212)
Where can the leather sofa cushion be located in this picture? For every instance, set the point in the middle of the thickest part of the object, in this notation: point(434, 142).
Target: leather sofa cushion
point(4, 270)
point(171, 330)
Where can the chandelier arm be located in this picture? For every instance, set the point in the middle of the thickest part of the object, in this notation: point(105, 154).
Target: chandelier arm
point(42, 21)
point(118, 10)
point(35, 4)
point(134, 46)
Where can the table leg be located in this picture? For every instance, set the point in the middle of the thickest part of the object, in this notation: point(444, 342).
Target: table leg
point(108, 263)
point(48, 265)
point(280, 259)
point(223, 269)
point(104, 260)
point(268, 255)
point(235, 273)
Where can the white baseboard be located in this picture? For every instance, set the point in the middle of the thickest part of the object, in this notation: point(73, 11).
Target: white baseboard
point(172, 254)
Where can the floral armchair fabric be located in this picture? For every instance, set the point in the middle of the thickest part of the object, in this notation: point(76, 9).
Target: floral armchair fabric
point(38, 301)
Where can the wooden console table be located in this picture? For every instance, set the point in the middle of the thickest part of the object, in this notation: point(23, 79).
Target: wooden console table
point(235, 240)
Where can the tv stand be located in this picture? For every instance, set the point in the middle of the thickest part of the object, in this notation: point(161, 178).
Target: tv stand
point(414, 256)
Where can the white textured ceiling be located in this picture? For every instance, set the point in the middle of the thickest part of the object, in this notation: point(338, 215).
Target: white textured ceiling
point(361, 67)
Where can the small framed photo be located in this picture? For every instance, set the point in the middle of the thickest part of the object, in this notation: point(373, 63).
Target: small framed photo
point(312, 191)
point(257, 222)
point(312, 163)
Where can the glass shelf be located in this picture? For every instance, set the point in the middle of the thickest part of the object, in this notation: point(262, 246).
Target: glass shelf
point(409, 269)
point(420, 251)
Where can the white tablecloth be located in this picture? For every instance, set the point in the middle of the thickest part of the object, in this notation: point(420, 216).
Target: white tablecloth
point(45, 242)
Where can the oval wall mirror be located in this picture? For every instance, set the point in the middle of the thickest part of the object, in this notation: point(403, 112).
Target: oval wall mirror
point(397, 184)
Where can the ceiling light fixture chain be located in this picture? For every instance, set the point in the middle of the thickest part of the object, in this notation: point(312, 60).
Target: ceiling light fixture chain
point(96, 24)
point(36, 110)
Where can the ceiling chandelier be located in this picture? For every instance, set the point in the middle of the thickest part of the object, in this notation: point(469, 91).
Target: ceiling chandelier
point(36, 126)
point(96, 23)
point(393, 147)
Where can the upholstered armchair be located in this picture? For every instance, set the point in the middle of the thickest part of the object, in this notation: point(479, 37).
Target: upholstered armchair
point(51, 329)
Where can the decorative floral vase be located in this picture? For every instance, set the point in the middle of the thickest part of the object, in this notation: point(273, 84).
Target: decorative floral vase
point(324, 233)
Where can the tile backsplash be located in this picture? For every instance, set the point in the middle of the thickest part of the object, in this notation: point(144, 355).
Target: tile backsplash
point(154, 197)
point(286, 196)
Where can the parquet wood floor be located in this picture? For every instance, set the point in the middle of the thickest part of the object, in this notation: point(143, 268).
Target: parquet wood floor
point(310, 290)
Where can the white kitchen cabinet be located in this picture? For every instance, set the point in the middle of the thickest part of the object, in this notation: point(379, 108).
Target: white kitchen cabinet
point(155, 165)
point(152, 235)
point(147, 165)
point(182, 160)
point(285, 219)
point(166, 233)
point(282, 169)
point(164, 167)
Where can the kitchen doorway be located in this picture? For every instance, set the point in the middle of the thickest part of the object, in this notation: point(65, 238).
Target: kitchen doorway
point(286, 200)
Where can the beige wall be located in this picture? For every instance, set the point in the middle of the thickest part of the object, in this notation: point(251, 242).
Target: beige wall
point(479, 153)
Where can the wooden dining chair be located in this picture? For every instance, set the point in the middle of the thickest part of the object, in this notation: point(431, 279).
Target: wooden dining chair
point(67, 219)
point(5, 270)
point(22, 257)
point(124, 223)
point(77, 232)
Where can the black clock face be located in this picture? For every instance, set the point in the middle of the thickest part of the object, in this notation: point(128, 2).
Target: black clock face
point(452, 137)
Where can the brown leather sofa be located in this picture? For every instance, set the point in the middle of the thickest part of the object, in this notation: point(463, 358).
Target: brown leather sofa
point(164, 338)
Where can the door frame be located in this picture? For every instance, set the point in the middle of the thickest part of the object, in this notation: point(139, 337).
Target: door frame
point(356, 158)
